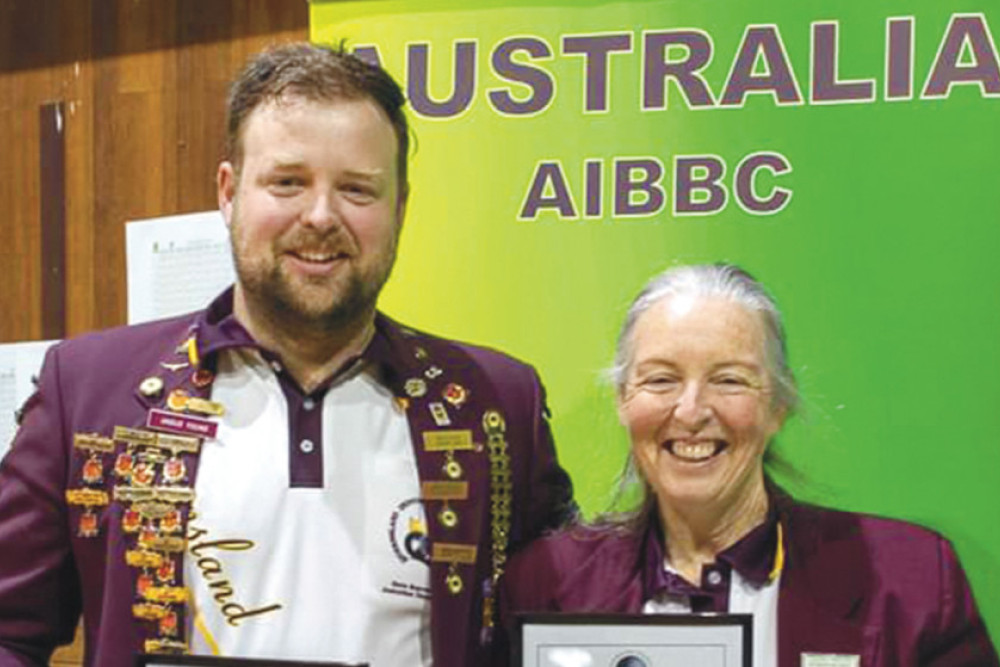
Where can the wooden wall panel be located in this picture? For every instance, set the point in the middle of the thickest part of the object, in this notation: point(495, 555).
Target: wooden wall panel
point(143, 83)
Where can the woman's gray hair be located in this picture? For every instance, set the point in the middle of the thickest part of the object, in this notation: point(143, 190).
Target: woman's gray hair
point(722, 281)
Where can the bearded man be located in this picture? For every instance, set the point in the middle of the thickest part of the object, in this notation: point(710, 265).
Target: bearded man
point(288, 474)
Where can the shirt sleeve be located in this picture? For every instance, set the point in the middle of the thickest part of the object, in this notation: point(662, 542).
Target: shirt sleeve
point(39, 586)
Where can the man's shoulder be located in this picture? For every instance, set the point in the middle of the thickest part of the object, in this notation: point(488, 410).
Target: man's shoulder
point(129, 345)
point(491, 360)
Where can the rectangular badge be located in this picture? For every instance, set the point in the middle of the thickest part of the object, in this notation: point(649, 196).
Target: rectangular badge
point(134, 436)
point(93, 442)
point(171, 422)
point(443, 552)
point(178, 443)
point(444, 490)
point(447, 441)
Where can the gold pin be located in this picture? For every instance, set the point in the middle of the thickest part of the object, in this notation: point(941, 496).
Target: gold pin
point(178, 400)
point(454, 582)
point(205, 407)
point(448, 517)
point(415, 387)
point(88, 524)
point(455, 394)
point(452, 468)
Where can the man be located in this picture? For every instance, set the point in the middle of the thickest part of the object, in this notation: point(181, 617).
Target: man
point(287, 474)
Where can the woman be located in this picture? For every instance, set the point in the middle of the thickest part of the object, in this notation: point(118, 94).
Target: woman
point(703, 385)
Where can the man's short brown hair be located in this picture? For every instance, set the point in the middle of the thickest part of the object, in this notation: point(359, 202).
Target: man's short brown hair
point(315, 73)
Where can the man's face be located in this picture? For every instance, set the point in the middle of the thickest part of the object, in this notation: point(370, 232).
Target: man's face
point(314, 212)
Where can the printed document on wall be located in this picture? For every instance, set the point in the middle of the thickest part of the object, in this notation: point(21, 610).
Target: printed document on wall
point(176, 264)
point(20, 364)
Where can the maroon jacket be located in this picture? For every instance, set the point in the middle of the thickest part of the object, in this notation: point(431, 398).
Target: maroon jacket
point(891, 592)
point(49, 574)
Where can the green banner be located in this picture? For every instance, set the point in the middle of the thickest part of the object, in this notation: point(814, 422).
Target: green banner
point(846, 156)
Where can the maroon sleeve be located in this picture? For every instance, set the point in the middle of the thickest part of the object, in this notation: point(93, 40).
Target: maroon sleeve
point(39, 588)
point(960, 638)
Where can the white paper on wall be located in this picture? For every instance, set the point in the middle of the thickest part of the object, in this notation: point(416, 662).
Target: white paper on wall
point(20, 363)
point(176, 264)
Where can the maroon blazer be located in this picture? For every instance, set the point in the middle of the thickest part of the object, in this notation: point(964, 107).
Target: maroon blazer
point(891, 592)
point(49, 574)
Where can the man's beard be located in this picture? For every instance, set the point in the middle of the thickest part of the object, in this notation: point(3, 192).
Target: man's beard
point(309, 303)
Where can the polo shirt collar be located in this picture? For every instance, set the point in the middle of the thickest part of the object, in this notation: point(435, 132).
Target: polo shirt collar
point(216, 329)
point(752, 556)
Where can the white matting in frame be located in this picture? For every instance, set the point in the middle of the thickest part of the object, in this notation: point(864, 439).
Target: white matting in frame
point(627, 640)
point(160, 660)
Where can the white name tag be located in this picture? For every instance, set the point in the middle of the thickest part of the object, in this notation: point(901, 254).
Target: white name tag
point(830, 660)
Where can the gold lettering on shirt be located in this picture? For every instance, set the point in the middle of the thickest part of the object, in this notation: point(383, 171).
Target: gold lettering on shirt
point(204, 551)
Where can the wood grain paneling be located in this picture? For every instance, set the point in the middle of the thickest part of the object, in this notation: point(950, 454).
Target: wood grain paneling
point(143, 84)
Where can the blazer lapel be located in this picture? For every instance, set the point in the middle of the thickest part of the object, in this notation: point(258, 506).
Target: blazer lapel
point(823, 590)
point(445, 400)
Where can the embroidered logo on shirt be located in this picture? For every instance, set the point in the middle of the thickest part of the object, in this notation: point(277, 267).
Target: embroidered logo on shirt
point(410, 544)
point(408, 532)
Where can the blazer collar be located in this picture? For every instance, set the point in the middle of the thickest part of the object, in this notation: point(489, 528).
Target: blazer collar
point(823, 585)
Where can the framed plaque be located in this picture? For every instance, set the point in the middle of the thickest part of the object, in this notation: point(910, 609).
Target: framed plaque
point(146, 660)
point(633, 640)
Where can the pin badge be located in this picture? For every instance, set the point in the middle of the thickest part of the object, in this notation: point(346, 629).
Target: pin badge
point(454, 583)
point(178, 400)
point(88, 524)
point(452, 468)
point(168, 624)
point(448, 517)
point(175, 366)
point(174, 470)
point(131, 521)
point(123, 464)
point(151, 386)
point(420, 353)
point(455, 394)
point(402, 403)
point(433, 372)
point(93, 470)
point(439, 414)
point(415, 387)
point(166, 571)
point(202, 378)
point(171, 522)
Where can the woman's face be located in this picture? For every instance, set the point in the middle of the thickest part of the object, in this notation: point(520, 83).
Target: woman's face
point(697, 402)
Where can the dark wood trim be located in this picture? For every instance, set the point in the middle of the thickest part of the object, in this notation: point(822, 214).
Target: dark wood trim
point(52, 213)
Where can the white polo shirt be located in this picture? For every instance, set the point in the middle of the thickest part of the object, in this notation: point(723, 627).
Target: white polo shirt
point(308, 540)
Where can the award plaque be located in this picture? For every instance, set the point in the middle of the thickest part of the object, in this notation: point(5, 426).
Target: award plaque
point(146, 660)
point(633, 640)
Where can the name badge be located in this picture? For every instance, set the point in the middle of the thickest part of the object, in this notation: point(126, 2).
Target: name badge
point(447, 441)
point(443, 552)
point(442, 490)
point(172, 422)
